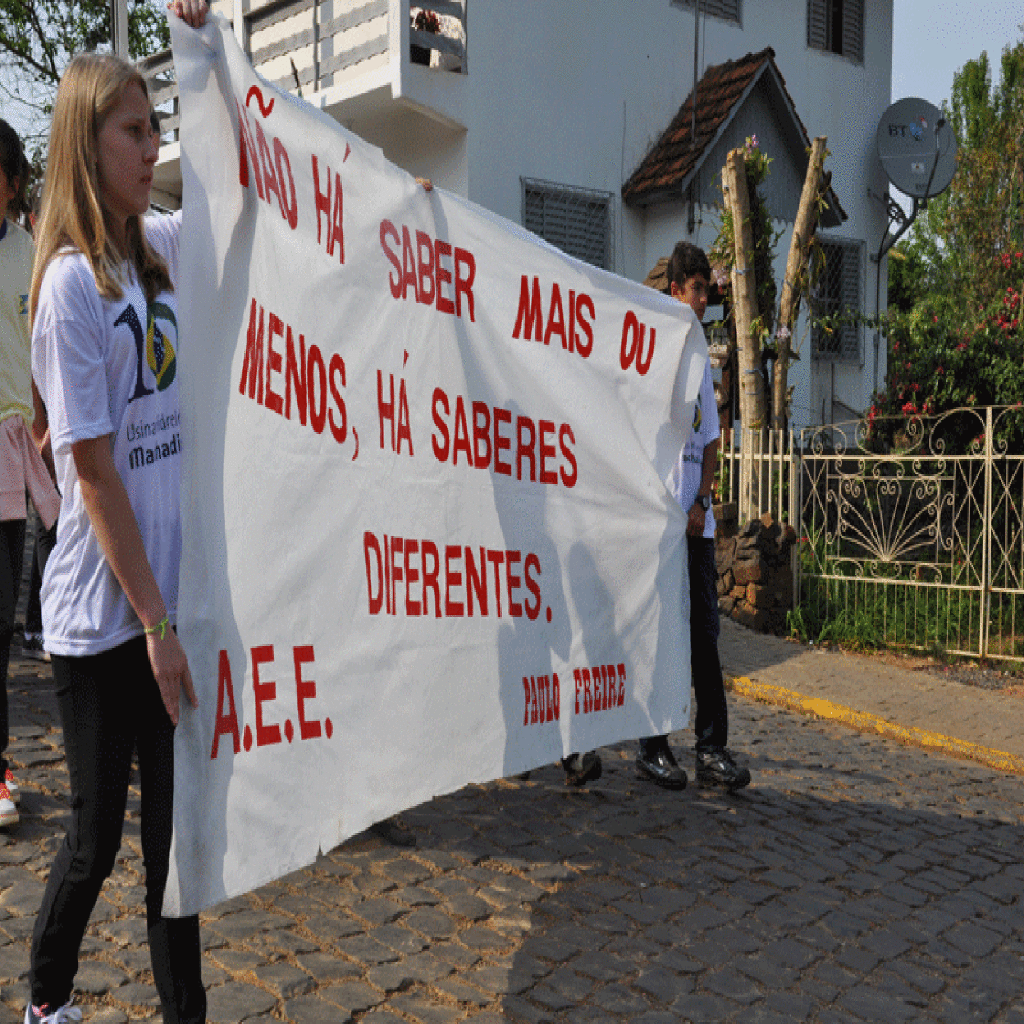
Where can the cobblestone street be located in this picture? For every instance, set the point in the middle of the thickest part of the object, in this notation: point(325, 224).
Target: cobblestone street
point(855, 880)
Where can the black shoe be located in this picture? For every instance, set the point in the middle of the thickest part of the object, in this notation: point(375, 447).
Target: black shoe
point(661, 767)
point(392, 831)
point(716, 767)
point(581, 768)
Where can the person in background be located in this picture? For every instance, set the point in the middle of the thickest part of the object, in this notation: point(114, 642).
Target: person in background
point(693, 482)
point(32, 646)
point(103, 307)
point(21, 467)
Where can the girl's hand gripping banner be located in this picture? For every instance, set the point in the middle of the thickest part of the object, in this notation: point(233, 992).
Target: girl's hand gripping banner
point(427, 538)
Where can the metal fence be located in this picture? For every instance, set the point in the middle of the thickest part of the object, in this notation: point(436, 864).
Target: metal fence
point(911, 531)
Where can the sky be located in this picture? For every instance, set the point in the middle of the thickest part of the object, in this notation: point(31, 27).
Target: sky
point(932, 39)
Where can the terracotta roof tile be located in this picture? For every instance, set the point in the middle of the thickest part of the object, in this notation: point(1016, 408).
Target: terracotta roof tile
point(677, 152)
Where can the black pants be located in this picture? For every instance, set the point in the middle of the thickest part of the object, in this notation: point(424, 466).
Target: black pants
point(12, 554)
point(110, 706)
point(711, 722)
point(45, 542)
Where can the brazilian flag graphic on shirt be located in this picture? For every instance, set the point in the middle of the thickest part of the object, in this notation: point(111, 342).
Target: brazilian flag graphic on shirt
point(698, 417)
point(159, 350)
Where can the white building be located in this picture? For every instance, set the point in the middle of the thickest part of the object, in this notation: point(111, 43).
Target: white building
point(543, 110)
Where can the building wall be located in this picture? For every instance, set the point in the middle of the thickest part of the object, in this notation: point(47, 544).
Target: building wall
point(583, 95)
point(577, 93)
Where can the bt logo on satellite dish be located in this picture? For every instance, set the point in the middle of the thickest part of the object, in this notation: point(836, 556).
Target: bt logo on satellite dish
point(916, 129)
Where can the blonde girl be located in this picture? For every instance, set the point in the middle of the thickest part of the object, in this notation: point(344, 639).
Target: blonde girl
point(104, 356)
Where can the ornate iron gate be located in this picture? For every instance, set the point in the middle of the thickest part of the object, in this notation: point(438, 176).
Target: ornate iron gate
point(912, 531)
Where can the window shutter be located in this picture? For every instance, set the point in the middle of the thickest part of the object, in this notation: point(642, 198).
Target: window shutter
point(727, 10)
point(578, 221)
point(836, 291)
point(853, 30)
point(850, 301)
point(817, 24)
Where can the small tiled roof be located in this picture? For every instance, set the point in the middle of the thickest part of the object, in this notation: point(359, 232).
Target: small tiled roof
point(674, 159)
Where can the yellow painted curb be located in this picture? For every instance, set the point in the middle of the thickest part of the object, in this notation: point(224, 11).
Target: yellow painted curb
point(865, 722)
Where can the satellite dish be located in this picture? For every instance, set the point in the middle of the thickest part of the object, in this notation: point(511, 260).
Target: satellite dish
point(917, 148)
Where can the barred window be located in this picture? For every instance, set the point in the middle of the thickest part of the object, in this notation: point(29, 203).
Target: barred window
point(837, 26)
point(727, 10)
point(837, 290)
point(576, 220)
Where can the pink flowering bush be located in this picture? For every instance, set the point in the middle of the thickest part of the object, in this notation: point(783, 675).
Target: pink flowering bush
point(944, 355)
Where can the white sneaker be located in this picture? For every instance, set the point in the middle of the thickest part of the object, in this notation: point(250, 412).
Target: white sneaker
point(41, 1014)
point(8, 812)
point(12, 787)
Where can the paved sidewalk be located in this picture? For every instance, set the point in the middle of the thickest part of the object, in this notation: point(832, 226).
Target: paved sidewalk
point(863, 691)
point(857, 880)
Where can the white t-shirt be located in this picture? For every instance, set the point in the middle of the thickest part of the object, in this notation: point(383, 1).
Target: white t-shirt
point(685, 480)
point(109, 367)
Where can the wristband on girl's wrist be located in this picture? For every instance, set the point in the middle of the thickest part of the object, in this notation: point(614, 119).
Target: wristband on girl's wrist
point(161, 627)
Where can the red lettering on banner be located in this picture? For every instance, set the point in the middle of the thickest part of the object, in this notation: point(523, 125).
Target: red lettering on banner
point(542, 699)
point(481, 435)
point(271, 398)
point(252, 361)
point(316, 394)
point(563, 318)
point(502, 442)
point(295, 377)
point(634, 334)
point(485, 443)
point(566, 439)
point(305, 375)
point(329, 212)
point(496, 558)
point(371, 548)
point(512, 559)
point(248, 158)
point(339, 431)
point(400, 430)
point(476, 581)
point(269, 165)
point(599, 688)
point(430, 566)
point(402, 573)
point(227, 720)
point(305, 689)
point(436, 273)
point(265, 693)
point(526, 438)
point(532, 562)
point(453, 579)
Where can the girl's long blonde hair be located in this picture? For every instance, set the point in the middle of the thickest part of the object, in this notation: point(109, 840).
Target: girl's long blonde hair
point(72, 214)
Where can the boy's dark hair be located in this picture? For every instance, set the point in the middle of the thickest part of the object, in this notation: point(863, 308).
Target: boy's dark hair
point(686, 261)
point(13, 162)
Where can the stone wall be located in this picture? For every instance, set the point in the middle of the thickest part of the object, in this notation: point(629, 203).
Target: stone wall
point(755, 570)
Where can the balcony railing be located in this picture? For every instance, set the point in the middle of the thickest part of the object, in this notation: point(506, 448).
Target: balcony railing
point(314, 47)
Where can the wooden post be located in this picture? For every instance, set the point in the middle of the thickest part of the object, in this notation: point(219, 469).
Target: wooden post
point(796, 266)
point(748, 347)
point(744, 292)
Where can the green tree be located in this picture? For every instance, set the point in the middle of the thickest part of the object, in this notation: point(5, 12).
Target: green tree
point(39, 37)
point(955, 244)
point(955, 325)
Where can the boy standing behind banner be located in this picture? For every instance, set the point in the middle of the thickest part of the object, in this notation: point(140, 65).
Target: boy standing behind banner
point(693, 480)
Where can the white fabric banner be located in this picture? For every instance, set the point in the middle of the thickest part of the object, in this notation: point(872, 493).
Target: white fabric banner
point(427, 539)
